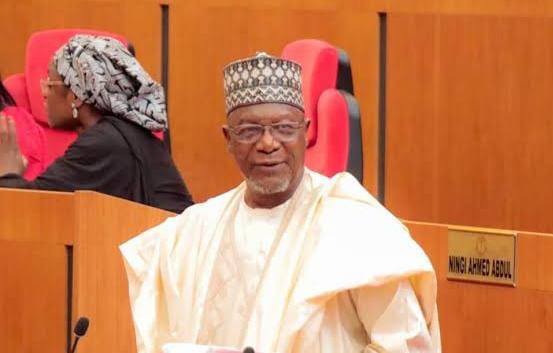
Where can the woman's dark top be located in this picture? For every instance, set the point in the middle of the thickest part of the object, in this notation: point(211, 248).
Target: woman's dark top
point(115, 157)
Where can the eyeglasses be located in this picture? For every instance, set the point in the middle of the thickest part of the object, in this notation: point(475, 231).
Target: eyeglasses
point(251, 133)
point(45, 84)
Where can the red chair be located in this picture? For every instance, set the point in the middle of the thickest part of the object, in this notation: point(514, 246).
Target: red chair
point(14, 85)
point(329, 109)
point(25, 88)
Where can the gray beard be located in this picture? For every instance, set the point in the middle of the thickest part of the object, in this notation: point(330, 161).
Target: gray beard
point(259, 188)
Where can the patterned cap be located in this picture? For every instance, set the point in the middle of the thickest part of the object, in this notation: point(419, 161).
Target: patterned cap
point(262, 79)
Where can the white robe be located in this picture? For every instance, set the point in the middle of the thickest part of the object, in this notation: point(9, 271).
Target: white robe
point(331, 271)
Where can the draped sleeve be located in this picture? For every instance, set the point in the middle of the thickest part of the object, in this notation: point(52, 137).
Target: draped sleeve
point(393, 319)
point(166, 269)
point(143, 263)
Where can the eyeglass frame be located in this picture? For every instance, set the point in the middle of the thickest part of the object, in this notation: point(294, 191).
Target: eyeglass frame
point(46, 84)
point(296, 126)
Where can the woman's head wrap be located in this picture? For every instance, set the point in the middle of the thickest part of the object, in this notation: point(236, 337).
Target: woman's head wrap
point(103, 73)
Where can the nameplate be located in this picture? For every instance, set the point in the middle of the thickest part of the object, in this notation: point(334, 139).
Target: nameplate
point(480, 256)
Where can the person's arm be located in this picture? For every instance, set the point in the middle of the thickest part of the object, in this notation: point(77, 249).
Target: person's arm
point(393, 319)
point(96, 161)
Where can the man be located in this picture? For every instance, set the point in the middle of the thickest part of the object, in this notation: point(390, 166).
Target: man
point(289, 261)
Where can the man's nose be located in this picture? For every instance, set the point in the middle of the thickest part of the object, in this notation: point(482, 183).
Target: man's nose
point(267, 142)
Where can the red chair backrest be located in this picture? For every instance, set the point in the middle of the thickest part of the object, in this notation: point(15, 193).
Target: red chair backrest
point(319, 61)
point(25, 88)
point(329, 155)
point(328, 135)
point(16, 85)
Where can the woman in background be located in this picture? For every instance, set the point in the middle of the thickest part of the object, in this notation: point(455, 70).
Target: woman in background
point(95, 86)
point(30, 136)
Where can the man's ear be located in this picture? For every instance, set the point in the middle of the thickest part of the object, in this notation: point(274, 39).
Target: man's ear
point(226, 134)
point(307, 124)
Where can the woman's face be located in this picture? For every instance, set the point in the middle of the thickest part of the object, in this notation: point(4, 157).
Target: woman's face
point(57, 101)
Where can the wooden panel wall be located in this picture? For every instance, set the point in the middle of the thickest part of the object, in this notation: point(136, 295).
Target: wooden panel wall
point(459, 86)
point(138, 20)
point(469, 117)
point(33, 270)
point(33, 300)
point(469, 126)
point(205, 36)
point(489, 318)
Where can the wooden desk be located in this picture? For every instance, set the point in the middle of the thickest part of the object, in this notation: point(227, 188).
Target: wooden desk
point(484, 318)
point(59, 260)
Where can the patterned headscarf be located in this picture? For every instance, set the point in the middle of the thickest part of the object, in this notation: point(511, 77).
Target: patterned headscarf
point(103, 73)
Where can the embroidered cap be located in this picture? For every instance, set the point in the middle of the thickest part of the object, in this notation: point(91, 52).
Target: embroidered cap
point(262, 79)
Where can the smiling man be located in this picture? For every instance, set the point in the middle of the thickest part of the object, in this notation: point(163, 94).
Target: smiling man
point(289, 261)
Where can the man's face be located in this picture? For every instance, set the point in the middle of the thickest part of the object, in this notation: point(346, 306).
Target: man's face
point(270, 158)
